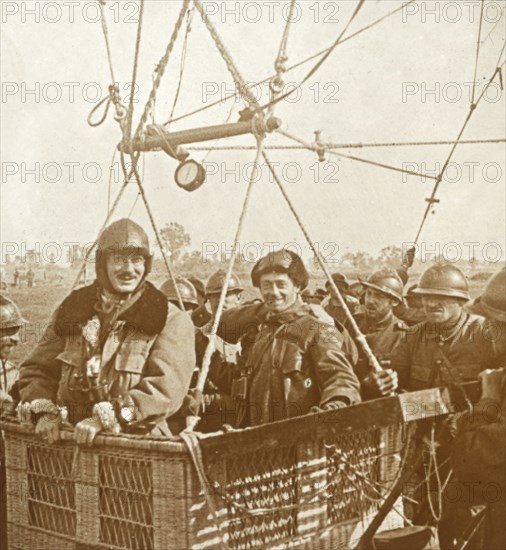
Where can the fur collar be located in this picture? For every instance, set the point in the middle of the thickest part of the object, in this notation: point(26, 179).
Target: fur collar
point(148, 314)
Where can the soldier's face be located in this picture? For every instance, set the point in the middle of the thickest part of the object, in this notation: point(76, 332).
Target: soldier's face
point(377, 304)
point(125, 271)
point(441, 309)
point(9, 339)
point(278, 291)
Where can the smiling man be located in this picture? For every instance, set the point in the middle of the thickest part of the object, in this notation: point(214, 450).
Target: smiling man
point(116, 353)
point(292, 360)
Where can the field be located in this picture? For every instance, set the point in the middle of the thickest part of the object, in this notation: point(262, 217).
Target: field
point(38, 303)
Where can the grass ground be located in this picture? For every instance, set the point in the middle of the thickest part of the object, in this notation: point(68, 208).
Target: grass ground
point(38, 303)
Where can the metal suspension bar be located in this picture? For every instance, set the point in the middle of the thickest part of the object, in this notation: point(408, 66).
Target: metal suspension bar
point(162, 138)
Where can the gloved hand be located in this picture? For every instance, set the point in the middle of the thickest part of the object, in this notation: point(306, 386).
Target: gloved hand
point(105, 414)
point(86, 431)
point(48, 427)
point(382, 383)
point(27, 410)
point(330, 406)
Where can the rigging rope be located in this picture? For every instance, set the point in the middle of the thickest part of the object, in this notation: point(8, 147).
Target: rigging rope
point(472, 108)
point(477, 51)
point(359, 337)
point(292, 67)
point(134, 72)
point(206, 361)
point(239, 81)
point(276, 84)
point(161, 69)
point(153, 225)
point(311, 147)
point(104, 225)
point(320, 61)
point(189, 19)
point(105, 32)
point(331, 146)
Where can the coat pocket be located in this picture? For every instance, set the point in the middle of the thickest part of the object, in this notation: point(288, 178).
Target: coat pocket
point(132, 356)
point(420, 377)
point(466, 372)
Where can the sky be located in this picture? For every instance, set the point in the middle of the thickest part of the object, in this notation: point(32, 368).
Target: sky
point(409, 78)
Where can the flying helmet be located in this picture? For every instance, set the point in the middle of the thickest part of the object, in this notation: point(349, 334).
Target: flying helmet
point(281, 261)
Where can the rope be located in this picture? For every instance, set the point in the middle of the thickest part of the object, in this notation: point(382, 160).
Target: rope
point(321, 61)
point(478, 43)
point(433, 463)
point(189, 19)
point(82, 269)
point(105, 32)
point(439, 178)
point(206, 361)
point(162, 65)
point(134, 71)
point(225, 54)
point(277, 83)
point(153, 225)
point(292, 67)
point(192, 442)
point(360, 338)
point(330, 146)
point(358, 159)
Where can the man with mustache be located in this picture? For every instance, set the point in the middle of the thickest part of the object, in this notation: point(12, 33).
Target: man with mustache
point(479, 449)
point(449, 348)
point(116, 355)
point(292, 360)
point(383, 331)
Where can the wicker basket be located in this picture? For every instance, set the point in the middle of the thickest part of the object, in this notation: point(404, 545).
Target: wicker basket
point(309, 482)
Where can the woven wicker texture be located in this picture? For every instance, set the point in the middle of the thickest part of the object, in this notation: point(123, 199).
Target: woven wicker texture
point(51, 490)
point(275, 489)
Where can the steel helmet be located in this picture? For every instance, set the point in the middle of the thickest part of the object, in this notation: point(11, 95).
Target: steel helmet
point(199, 285)
point(186, 290)
point(443, 280)
point(10, 316)
point(217, 279)
point(386, 281)
point(281, 261)
point(492, 302)
point(340, 281)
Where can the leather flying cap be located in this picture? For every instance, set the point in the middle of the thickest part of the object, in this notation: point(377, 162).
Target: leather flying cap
point(281, 261)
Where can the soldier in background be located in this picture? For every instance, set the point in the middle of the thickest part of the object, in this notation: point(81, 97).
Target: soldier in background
point(30, 276)
point(479, 449)
point(412, 311)
point(332, 305)
point(11, 322)
point(382, 329)
point(219, 407)
point(201, 315)
point(449, 348)
point(187, 292)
